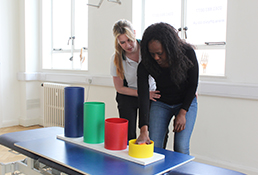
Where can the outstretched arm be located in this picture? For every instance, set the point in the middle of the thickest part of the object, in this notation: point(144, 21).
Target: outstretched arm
point(120, 88)
point(144, 136)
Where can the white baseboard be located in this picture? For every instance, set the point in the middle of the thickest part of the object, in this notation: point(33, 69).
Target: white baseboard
point(9, 123)
point(41, 121)
point(23, 122)
point(227, 165)
point(29, 122)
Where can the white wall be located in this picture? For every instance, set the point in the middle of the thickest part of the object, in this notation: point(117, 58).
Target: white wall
point(9, 62)
point(101, 44)
point(225, 133)
point(241, 42)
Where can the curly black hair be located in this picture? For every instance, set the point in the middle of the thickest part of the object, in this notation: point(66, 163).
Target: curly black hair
point(174, 47)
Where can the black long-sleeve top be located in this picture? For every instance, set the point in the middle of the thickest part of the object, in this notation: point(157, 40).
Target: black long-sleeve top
point(170, 93)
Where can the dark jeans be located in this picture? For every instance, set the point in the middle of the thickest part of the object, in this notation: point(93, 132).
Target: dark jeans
point(127, 108)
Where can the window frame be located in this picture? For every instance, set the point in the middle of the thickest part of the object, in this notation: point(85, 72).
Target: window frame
point(72, 50)
point(211, 46)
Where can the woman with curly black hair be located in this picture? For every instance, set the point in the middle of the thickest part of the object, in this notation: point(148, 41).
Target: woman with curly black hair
point(173, 64)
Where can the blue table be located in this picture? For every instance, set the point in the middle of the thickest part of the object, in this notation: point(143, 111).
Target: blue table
point(42, 145)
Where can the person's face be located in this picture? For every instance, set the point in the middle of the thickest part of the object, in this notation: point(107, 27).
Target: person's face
point(158, 53)
point(127, 45)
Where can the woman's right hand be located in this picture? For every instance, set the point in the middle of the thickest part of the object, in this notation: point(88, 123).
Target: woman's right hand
point(144, 136)
point(154, 95)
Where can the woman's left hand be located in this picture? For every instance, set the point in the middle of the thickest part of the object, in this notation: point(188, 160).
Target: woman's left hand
point(179, 121)
point(154, 95)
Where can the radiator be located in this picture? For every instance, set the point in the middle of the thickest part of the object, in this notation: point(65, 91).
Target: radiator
point(54, 104)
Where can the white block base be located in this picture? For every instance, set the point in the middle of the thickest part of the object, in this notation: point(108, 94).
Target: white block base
point(123, 154)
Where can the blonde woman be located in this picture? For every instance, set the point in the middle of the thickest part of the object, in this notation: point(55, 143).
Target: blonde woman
point(124, 66)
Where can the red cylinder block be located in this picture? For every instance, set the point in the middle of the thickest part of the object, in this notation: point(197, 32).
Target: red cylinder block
point(116, 130)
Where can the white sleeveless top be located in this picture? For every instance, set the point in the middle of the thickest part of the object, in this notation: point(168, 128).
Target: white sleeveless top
point(130, 72)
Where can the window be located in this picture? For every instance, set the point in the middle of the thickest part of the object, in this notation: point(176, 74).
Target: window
point(200, 22)
point(65, 34)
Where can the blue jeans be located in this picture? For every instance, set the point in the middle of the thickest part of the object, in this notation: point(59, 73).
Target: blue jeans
point(160, 117)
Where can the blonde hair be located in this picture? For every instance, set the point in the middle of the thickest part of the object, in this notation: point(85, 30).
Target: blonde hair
point(121, 27)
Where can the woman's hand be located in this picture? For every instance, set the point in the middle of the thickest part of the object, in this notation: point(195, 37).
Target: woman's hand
point(154, 95)
point(179, 121)
point(144, 136)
